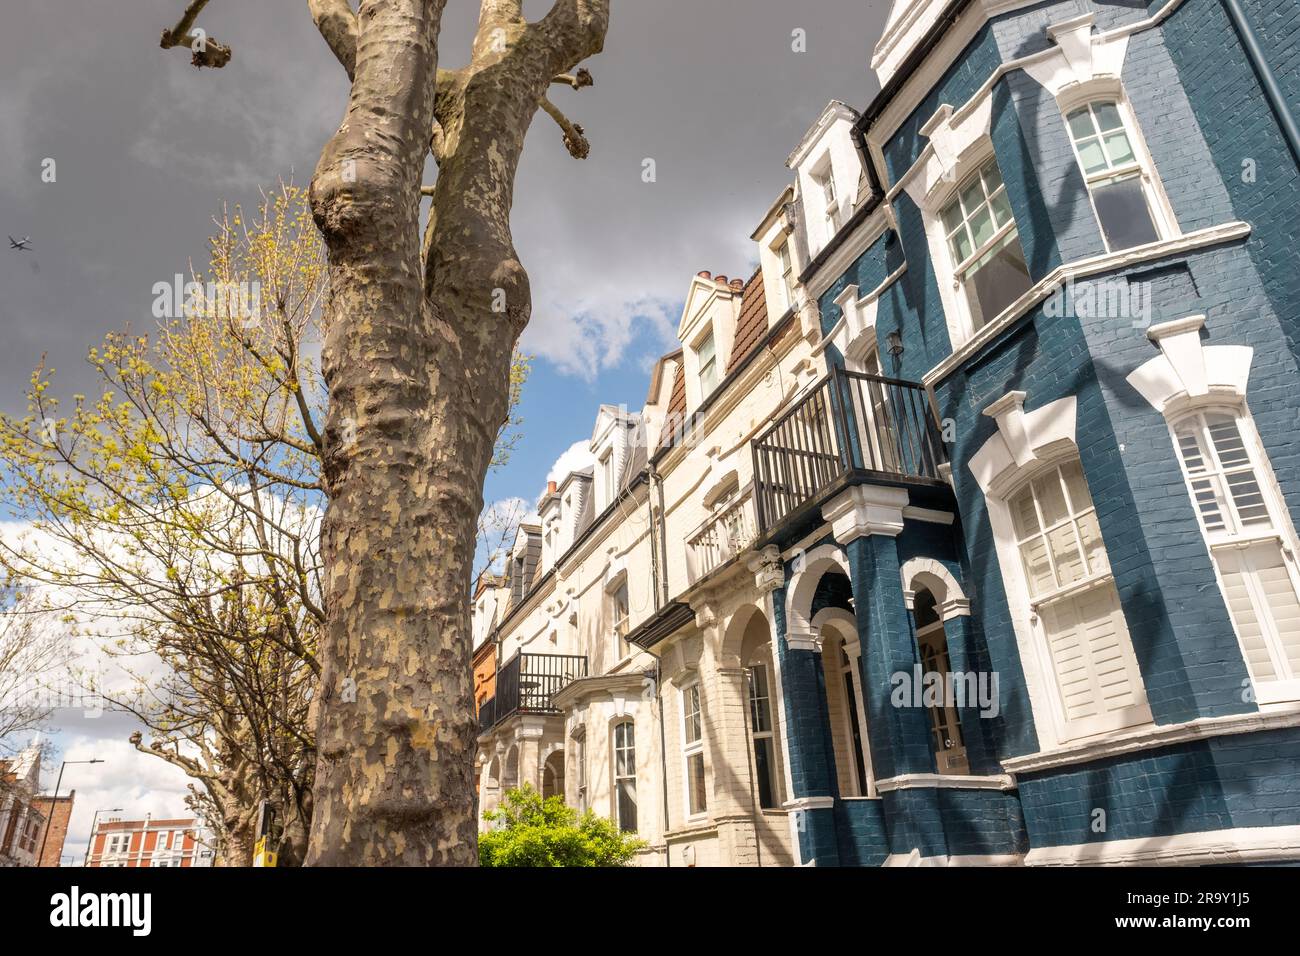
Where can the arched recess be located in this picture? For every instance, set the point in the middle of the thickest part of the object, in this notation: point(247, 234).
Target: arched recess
point(738, 633)
point(927, 574)
point(803, 587)
point(553, 774)
point(510, 776)
point(492, 773)
point(841, 650)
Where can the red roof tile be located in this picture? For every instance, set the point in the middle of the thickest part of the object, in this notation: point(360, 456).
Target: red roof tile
point(752, 324)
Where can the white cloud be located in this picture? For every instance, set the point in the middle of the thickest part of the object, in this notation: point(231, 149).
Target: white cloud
point(574, 458)
point(141, 785)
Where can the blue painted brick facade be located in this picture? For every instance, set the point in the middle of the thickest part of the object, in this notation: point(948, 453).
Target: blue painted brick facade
point(1221, 156)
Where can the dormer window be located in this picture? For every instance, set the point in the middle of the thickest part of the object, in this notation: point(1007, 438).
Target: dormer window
point(707, 359)
point(787, 272)
point(607, 475)
point(987, 260)
point(830, 202)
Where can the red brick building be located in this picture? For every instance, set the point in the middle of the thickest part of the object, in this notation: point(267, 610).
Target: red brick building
point(57, 813)
point(147, 843)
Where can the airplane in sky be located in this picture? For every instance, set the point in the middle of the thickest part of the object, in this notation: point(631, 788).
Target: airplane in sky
point(23, 244)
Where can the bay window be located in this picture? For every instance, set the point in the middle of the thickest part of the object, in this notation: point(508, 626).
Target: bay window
point(1113, 173)
point(984, 244)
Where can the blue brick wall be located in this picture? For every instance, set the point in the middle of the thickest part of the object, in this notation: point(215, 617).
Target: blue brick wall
point(1204, 119)
point(1242, 780)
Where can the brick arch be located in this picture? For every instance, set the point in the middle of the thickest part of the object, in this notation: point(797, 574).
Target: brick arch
point(933, 576)
point(733, 638)
point(803, 586)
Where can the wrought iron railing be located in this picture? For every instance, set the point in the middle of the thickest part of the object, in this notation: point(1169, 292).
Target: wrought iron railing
point(850, 422)
point(728, 532)
point(526, 683)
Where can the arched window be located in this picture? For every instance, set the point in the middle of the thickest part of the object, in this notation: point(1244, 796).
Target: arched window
point(945, 728)
point(1072, 592)
point(1247, 532)
point(1113, 172)
point(624, 763)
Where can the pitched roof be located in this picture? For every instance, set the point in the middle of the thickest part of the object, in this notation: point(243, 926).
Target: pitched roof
point(752, 324)
point(676, 414)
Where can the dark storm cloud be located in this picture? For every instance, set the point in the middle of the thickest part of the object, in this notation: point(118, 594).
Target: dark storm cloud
point(147, 148)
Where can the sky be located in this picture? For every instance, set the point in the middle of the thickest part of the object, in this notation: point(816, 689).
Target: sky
point(145, 149)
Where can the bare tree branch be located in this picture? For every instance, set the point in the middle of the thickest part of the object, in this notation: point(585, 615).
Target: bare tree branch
point(337, 23)
point(574, 140)
point(204, 50)
point(579, 79)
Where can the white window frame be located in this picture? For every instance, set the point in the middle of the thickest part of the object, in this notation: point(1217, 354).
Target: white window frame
point(845, 674)
point(1017, 580)
point(785, 265)
point(949, 761)
point(1279, 528)
point(581, 783)
point(824, 177)
point(706, 337)
point(616, 813)
point(618, 625)
point(1140, 166)
point(607, 481)
point(692, 749)
point(959, 271)
point(777, 782)
point(1158, 204)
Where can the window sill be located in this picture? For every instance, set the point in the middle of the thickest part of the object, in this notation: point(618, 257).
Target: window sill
point(1202, 238)
point(1153, 736)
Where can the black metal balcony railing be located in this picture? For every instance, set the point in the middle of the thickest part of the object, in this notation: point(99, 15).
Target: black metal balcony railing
point(850, 425)
point(526, 683)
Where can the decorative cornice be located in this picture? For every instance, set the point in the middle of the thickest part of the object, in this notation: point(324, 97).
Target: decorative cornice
point(1206, 848)
point(940, 781)
point(865, 510)
point(804, 641)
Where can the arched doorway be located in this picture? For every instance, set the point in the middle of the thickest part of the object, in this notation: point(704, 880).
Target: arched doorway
point(845, 706)
point(938, 692)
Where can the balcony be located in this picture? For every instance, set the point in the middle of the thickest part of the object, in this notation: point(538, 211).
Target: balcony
point(850, 428)
point(728, 532)
point(526, 683)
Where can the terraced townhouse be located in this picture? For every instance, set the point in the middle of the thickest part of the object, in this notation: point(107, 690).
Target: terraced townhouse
point(963, 531)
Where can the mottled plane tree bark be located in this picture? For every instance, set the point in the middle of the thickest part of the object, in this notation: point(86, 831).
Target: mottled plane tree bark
point(417, 363)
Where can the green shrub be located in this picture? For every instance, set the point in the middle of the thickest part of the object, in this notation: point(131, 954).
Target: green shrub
point(529, 831)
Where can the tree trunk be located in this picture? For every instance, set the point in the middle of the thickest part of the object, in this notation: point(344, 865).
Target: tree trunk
point(395, 740)
point(417, 362)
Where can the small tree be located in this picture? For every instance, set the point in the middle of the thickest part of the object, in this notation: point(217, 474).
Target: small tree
point(531, 831)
